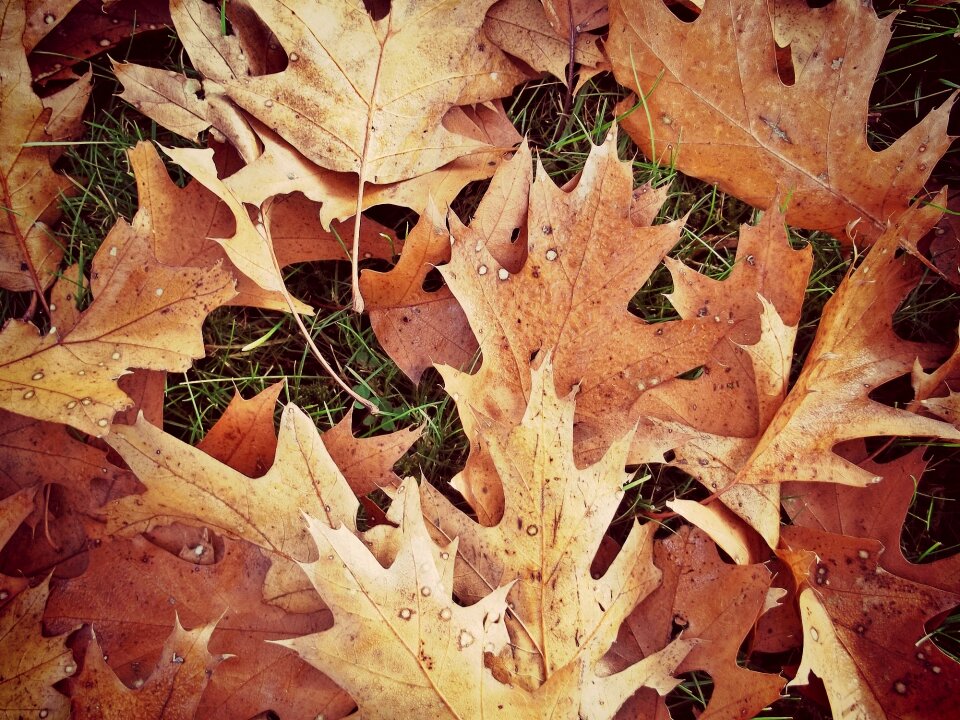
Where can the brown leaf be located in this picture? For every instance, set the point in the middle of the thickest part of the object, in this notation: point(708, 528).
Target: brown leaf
point(854, 352)
point(29, 188)
point(703, 598)
point(367, 463)
point(419, 327)
point(876, 512)
point(262, 676)
point(722, 113)
point(380, 117)
point(30, 663)
point(523, 28)
point(554, 518)
point(42, 17)
point(185, 106)
point(172, 691)
point(244, 437)
point(93, 27)
point(570, 294)
point(864, 630)
point(143, 315)
point(185, 484)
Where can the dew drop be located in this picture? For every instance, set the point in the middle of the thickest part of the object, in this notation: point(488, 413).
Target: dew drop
point(367, 256)
point(900, 687)
point(103, 422)
point(465, 639)
point(294, 57)
point(922, 148)
point(551, 254)
point(177, 659)
point(28, 394)
point(503, 274)
point(70, 669)
point(446, 614)
point(104, 43)
point(71, 405)
point(43, 713)
point(532, 530)
point(81, 373)
point(49, 19)
point(198, 550)
point(936, 669)
point(4, 594)
point(815, 634)
point(85, 401)
point(138, 683)
point(863, 554)
point(158, 292)
point(113, 251)
point(405, 613)
point(482, 270)
point(426, 591)
point(53, 307)
point(115, 356)
point(444, 556)
point(268, 103)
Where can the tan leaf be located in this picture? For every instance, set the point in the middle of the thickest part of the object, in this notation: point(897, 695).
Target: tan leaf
point(722, 113)
point(854, 352)
point(30, 663)
point(143, 315)
point(184, 483)
point(215, 55)
point(585, 259)
point(226, 592)
point(29, 188)
point(185, 106)
point(581, 15)
point(399, 644)
point(554, 518)
point(172, 692)
point(864, 630)
point(523, 29)
point(282, 169)
point(66, 112)
point(368, 96)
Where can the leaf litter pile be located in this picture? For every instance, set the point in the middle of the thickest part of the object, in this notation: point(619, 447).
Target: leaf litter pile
point(291, 573)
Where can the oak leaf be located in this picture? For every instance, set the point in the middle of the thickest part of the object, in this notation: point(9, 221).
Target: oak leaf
point(226, 592)
point(711, 601)
point(585, 257)
point(29, 188)
point(554, 518)
point(855, 351)
point(30, 663)
point(172, 692)
point(719, 111)
point(864, 630)
point(368, 96)
point(143, 314)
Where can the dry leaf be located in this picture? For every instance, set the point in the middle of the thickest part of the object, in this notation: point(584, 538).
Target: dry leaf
point(30, 663)
point(226, 592)
point(864, 630)
point(554, 518)
point(244, 437)
point(854, 352)
point(172, 692)
point(29, 188)
point(688, 601)
point(143, 315)
point(721, 113)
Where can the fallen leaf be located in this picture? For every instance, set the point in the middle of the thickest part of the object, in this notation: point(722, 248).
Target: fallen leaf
point(554, 518)
point(701, 597)
point(722, 114)
point(143, 315)
point(185, 484)
point(171, 692)
point(260, 677)
point(30, 663)
point(29, 188)
point(854, 352)
point(864, 630)
point(244, 437)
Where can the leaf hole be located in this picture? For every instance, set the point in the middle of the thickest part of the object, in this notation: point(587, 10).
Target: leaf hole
point(685, 12)
point(432, 281)
point(688, 699)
